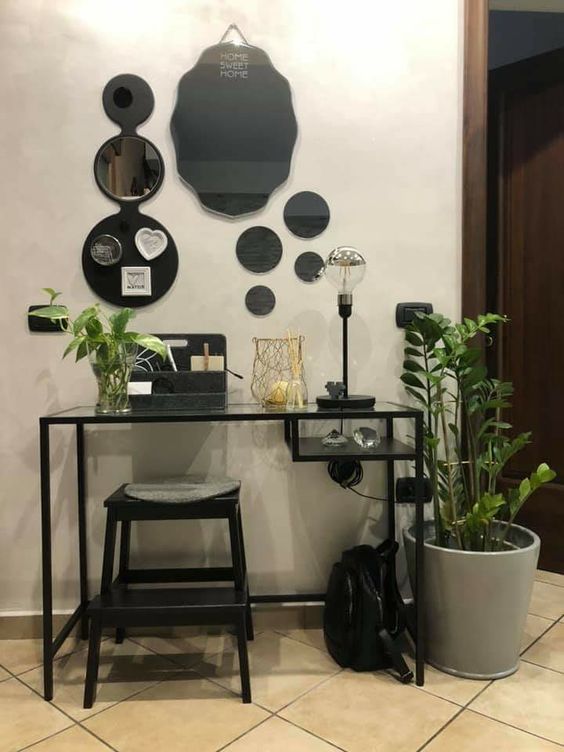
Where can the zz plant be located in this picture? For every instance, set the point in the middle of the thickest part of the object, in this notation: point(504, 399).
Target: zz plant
point(467, 441)
point(108, 343)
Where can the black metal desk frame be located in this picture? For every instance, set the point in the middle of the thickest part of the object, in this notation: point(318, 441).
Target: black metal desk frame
point(303, 449)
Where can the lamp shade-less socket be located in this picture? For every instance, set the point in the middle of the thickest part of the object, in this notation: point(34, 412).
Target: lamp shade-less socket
point(405, 312)
point(40, 324)
point(405, 490)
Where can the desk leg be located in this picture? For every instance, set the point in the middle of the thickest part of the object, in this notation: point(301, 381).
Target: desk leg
point(46, 564)
point(419, 555)
point(82, 551)
point(391, 483)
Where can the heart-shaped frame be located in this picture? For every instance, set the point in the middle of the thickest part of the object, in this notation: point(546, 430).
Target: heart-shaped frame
point(150, 243)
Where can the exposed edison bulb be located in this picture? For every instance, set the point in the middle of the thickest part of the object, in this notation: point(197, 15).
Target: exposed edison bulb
point(345, 268)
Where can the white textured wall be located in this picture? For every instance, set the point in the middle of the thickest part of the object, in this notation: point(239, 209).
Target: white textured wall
point(376, 90)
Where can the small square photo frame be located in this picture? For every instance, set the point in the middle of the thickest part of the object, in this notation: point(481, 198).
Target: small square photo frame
point(135, 280)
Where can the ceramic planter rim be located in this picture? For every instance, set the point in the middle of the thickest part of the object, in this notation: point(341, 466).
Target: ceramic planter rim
point(535, 542)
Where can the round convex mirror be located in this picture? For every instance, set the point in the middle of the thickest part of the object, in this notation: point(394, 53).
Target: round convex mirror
point(128, 168)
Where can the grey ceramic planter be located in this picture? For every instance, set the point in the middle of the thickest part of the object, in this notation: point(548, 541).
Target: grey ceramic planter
point(476, 604)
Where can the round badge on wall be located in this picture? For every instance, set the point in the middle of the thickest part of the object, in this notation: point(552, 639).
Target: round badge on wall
point(106, 250)
point(260, 300)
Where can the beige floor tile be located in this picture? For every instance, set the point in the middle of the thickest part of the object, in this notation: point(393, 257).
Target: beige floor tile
point(549, 650)
point(547, 601)
point(277, 735)
point(73, 739)
point(189, 714)
point(449, 687)
point(532, 699)
point(22, 655)
point(191, 647)
point(124, 670)
point(471, 732)
point(281, 669)
point(4, 674)
point(534, 627)
point(25, 717)
point(370, 713)
point(551, 577)
point(312, 637)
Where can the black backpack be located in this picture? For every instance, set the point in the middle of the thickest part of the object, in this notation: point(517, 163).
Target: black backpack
point(364, 611)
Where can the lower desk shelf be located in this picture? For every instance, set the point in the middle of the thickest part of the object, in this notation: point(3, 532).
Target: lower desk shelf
point(311, 449)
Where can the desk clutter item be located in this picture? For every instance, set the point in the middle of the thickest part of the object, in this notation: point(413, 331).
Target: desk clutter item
point(118, 606)
point(129, 258)
point(278, 372)
point(233, 127)
point(193, 376)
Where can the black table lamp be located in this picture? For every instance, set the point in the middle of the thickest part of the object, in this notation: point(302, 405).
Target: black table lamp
point(344, 268)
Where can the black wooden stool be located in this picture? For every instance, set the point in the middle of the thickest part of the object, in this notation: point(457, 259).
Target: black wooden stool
point(120, 606)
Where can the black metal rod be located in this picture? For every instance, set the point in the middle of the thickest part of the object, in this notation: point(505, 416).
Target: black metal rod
point(346, 355)
point(67, 629)
point(391, 482)
point(419, 555)
point(46, 562)
point(82, 545)
point(289, 598)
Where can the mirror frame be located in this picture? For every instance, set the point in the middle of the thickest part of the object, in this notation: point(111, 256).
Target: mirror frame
point(125, 199)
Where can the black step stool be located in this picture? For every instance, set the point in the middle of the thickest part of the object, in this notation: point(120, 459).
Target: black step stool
point(119, 606)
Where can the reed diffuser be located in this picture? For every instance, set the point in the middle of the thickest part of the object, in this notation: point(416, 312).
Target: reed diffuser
point(296, 392)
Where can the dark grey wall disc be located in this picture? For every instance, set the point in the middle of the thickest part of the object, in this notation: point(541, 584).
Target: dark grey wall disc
point(260, 300)
point(306, 214)
point(259, 249)
point(308, 266)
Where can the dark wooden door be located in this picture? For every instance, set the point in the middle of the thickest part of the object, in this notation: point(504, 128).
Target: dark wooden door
point(526, 275)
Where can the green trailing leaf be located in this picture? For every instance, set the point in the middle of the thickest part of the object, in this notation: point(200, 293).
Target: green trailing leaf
point(149, 342)
point(53, 312)
point(120, 320)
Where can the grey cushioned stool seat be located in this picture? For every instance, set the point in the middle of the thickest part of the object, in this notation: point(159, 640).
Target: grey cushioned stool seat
point(120, 606)
point(182, 489)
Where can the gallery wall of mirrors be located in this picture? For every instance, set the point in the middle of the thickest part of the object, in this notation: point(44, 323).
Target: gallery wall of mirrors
point(234, 131)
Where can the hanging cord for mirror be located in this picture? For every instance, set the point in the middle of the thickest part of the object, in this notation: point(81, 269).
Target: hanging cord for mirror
point(230, 28)
point(349, 473)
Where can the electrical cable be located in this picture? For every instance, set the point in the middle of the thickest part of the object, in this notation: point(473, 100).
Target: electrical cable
point(349, 473)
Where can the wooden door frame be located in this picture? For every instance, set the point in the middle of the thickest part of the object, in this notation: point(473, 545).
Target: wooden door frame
point(474, 157)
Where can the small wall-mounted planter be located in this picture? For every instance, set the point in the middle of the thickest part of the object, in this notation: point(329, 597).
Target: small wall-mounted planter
point(476, 604)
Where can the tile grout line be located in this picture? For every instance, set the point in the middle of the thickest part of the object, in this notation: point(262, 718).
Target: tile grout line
point(546, 582)
point(517, 728)
point(542, 634)
point(248, 731)
point(311, 733)
point(455, 716)
point(546, 668)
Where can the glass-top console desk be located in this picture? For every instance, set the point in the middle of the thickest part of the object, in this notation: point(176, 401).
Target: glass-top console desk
point(302, 449)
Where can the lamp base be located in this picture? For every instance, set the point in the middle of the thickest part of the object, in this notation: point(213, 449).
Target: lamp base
point(358, 401)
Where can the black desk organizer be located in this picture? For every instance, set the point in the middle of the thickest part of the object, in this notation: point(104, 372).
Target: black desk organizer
point(183, 389)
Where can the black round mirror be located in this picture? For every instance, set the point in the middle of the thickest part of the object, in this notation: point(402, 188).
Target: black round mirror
point(306, 214)
point(128, 168)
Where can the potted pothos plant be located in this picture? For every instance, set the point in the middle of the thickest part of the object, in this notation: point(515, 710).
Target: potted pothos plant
point(106, 341)
point(479, 565)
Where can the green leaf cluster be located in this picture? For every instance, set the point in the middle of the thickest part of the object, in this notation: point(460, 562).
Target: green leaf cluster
point(467, 441)
point(95, 331)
